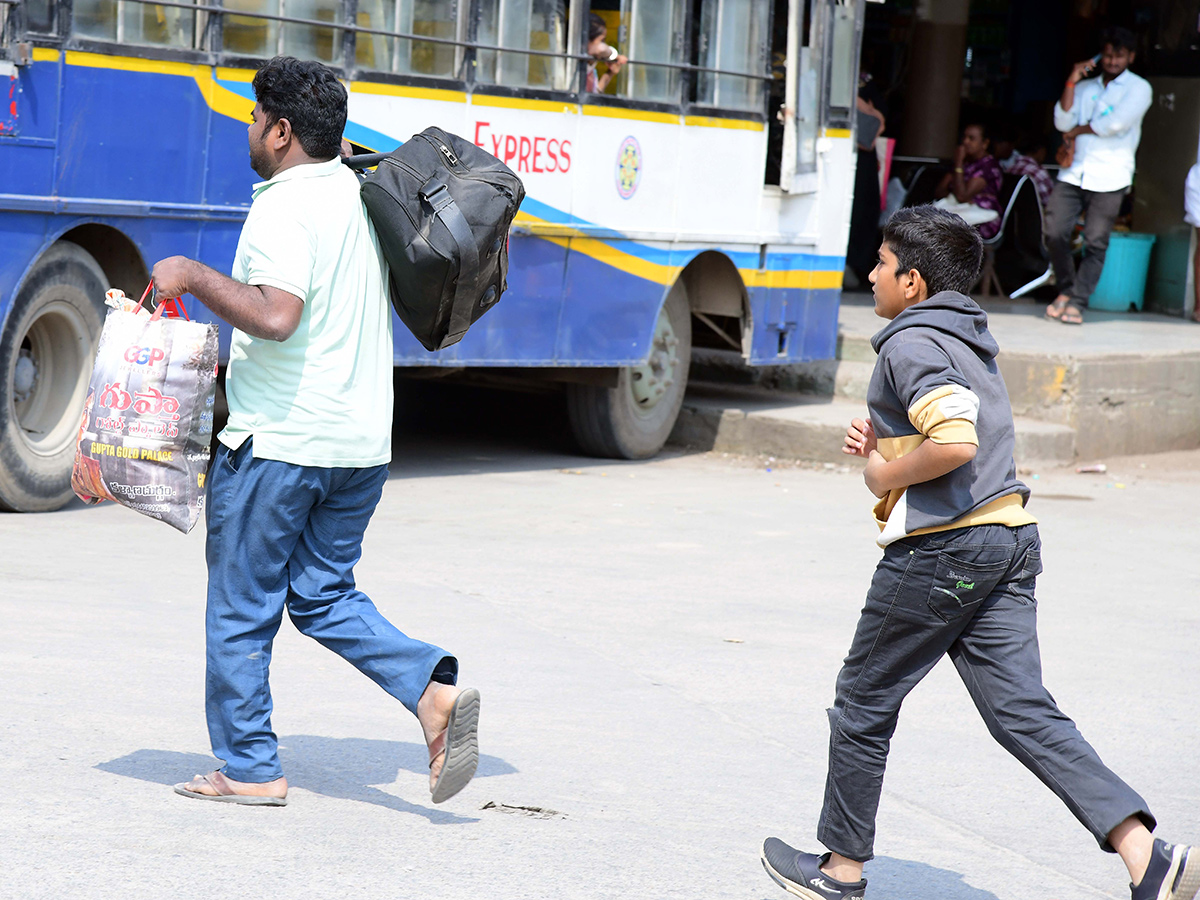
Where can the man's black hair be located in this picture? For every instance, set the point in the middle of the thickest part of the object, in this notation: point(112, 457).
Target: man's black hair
point(310, 97)
point(596, 27)
point(1120, 38)
point(940, 245)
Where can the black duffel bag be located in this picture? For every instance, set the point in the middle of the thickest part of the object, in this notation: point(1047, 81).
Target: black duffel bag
point(442, 208)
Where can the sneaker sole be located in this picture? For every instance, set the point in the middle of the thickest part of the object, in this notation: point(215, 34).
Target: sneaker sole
point(1186, 870)
point(790, 886)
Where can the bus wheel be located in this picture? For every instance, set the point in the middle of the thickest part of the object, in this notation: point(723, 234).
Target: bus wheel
point(634, 419)
point(46, 355)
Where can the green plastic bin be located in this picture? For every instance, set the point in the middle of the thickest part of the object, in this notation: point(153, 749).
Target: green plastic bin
point(1123, 281)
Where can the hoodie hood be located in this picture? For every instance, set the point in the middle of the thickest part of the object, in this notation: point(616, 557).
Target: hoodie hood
point(949, 312)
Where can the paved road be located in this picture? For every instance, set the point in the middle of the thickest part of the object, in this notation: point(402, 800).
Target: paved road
point(655, 643)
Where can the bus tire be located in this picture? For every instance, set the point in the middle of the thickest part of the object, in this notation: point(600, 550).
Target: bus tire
point(634, 419)
point(46, 354)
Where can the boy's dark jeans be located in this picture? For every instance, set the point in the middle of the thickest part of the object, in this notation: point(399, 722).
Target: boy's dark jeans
point(970, 593)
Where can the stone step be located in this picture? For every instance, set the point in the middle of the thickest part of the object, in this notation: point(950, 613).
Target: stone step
point(754, 420)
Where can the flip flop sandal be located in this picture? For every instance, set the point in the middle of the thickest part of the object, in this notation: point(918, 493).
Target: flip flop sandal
point(1055, 310)
point(1071, 316)
point(460, 741)
point(225, 793)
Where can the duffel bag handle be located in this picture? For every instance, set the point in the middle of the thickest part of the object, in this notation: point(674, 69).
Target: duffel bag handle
point(437, 195)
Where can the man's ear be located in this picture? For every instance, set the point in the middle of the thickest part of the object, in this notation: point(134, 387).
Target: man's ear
point(281, 133)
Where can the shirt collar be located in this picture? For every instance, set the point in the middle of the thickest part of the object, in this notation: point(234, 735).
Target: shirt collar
point(1120, 79)
point(304, 170)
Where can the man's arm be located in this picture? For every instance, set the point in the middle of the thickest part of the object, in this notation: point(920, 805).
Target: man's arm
point(1065, 117)
point(1124, 114)
point(260, 311)
point(929, 461)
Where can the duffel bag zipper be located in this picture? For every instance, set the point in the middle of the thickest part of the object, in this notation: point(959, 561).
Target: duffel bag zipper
point(467, 174)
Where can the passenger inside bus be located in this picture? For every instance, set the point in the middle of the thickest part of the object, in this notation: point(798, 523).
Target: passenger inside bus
point(599, 51)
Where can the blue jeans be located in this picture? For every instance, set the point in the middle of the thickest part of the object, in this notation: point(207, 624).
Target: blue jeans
point(968, 593)
point(281, 535)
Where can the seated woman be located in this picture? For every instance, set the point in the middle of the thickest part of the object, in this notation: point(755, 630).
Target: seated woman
point(972, 190)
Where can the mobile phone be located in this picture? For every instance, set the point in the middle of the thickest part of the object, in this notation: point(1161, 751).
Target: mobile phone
point(1096, 60)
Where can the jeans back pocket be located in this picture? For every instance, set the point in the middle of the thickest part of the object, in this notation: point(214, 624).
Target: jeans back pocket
point(963, 579)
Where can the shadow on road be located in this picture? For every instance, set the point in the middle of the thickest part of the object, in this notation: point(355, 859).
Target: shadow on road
point(342, 768)
point(443, 428)
point(902, 879)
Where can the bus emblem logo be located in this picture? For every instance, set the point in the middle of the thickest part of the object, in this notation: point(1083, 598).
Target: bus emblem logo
point(629, 167)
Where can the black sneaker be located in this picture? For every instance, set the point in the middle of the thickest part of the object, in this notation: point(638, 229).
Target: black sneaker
point(1173, 873)
point(800, 874)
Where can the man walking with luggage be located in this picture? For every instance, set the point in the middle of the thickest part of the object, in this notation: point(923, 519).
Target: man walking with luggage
point(1101, 121)
point(303, 460)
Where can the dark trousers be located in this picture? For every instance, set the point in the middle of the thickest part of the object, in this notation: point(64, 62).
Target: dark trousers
point(281, 537)
point(1100, 210)
point(969, 593)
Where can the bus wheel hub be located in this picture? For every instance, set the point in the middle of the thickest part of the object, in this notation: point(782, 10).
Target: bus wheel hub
point(651, 380)
point(24, 377)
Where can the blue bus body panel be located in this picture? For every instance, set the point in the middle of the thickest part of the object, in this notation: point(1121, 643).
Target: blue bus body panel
point(146, 153)
point(130, 136)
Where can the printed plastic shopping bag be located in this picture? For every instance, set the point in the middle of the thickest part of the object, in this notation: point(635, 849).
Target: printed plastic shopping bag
point(148, 418)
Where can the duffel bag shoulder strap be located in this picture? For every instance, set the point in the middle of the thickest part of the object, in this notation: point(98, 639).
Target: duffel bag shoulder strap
point(435, 192)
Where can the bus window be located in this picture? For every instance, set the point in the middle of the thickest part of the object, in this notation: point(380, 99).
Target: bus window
point(128, 21)
point(404, 55)
point(655, 31)
point(247, 35)
point(843, 63)
point(529, 25)
point(732, 37)
point(39, 16)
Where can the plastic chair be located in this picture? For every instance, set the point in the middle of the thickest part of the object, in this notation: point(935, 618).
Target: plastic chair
point(1010, 187)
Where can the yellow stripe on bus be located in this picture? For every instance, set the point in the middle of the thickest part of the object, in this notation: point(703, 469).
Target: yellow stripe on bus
point(837, 132)
point(220, 99)
point(520, 103)
point(44, 54)
point(642, 115)
point(715, 122)
point(795, 278)
point(399, 90)
point(600, 250)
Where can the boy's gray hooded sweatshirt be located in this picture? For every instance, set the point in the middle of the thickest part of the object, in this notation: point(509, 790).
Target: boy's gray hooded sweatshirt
point(936, 379)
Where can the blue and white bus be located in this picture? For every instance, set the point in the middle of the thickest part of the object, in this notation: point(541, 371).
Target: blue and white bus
point(702, 199)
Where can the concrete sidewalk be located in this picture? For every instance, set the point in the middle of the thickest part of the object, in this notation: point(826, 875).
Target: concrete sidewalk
point(1123, 383)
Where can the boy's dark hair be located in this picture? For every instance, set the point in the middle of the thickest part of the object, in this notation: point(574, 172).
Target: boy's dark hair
point(940, 245)
point(1120, 38)
point(310, 97)
point(596, 27)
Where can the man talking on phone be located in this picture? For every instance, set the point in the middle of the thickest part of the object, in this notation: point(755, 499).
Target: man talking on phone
point(1101, 121)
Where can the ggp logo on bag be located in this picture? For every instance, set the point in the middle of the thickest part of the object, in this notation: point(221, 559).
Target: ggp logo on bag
point(144, 356)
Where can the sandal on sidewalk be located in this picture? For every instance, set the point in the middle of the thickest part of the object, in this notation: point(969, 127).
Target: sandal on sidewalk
point(460, 742)
point(1055, 310)
point(1071, 315)
point(225, 793)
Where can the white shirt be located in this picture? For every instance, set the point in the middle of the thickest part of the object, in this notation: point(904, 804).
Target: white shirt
point(323, 397)
point(1104, 161)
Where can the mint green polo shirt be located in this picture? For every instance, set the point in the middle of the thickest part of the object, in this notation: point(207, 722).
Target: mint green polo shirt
point(323, 397)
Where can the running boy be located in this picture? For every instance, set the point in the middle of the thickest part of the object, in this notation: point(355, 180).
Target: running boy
point(961, 556)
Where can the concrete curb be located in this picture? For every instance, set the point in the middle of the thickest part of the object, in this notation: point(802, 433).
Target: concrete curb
point(754, 420)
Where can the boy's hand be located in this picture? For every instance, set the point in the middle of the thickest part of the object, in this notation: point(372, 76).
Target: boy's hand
point(873, 473)
point(860, 438)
